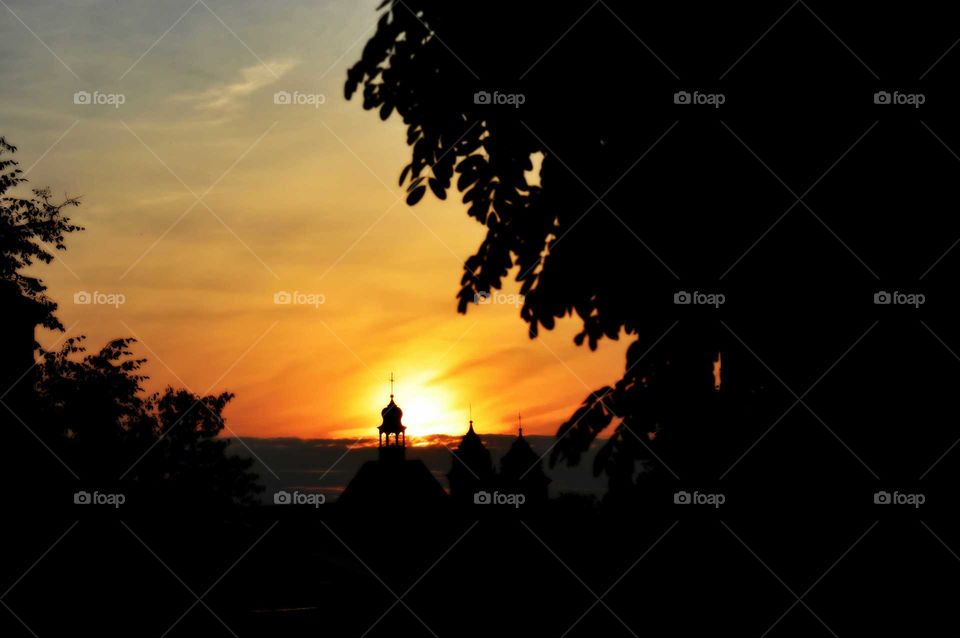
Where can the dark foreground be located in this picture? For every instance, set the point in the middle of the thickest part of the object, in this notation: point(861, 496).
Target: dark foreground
point(740, 569)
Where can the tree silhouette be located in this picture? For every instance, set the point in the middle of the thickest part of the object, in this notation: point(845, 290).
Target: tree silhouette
point(28, 227)
point(164, 444)
point(90, 410)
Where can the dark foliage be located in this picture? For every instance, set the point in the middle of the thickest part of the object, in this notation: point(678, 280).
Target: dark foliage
point(29, 228)
point(90, 409)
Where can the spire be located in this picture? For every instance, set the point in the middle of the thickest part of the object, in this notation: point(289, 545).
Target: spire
point(521, 469)
point(471, 468)
point(392, 424)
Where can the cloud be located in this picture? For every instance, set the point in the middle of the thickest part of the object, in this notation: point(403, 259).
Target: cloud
point(226, 96)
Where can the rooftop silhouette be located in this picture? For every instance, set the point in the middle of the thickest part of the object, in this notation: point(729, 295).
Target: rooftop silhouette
point(392, 480)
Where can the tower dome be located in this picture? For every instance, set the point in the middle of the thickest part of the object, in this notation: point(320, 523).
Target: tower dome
point(392, 407)
point(392, 426)
point(391, 418)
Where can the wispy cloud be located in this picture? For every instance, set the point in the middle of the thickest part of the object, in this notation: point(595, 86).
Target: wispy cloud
point(227, 96)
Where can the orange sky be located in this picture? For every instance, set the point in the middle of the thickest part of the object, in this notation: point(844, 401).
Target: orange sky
point(203, 199)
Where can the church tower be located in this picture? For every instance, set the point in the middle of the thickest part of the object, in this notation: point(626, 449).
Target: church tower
point(471, 469)
point(391, 426)
point(393, 483)
point(521, 470)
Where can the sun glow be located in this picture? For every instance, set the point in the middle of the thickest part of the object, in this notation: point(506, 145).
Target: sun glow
point(428, 412)
point(428, 409)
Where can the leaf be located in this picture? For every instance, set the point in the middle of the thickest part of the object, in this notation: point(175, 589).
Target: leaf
point(437, 188)
point(465, 181)
point(416, 195)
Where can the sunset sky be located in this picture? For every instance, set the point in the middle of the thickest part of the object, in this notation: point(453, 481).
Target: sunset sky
point(202, 199)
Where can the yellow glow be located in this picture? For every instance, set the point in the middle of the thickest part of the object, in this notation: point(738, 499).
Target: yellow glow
point(428, 408)
point(429, 412)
